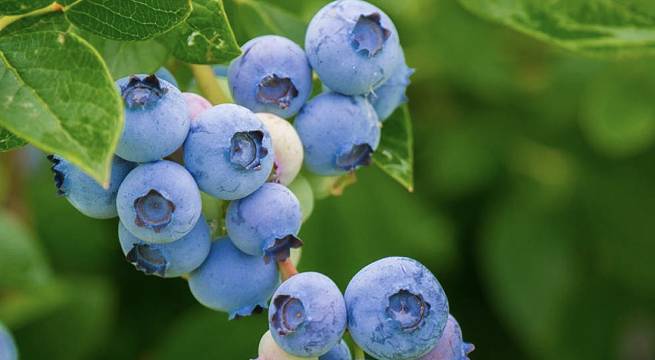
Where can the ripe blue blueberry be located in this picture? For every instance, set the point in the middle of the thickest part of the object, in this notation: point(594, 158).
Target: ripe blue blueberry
point(396, 309)
point(339, 133)
point(271, 75)
point(287, 147)
point(232, 281)
point(338, 352)
point(156, 118)
point(265, 222)
point(390, 95)
point(307, 316)
point(270, 350)
point(196, 104)
point(159, 202)
point(164, 74)
point(167, 260)
point(450, 345)
point(353, 46)
point(84, 193)
point(7, 345)
point(229, 152)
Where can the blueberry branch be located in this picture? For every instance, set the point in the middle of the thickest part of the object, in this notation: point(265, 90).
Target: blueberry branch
point(287, 268)
point(208, 84)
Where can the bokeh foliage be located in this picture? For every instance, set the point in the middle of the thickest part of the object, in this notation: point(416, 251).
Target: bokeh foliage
point(533, 205)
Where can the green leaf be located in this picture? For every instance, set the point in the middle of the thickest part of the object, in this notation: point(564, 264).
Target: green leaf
point(252, 18)
point(125, 58)
point(395, 155)
point(16, 7)
point(22, 263)
point(56, 93)
point(596, 27)
point(205, 37)
point(9, 141)
point(128, 19)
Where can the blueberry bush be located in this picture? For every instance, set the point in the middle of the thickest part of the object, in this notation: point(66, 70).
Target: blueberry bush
point(259, 156)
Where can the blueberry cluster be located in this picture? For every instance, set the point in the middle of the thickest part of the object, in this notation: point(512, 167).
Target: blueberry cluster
point(177, 152)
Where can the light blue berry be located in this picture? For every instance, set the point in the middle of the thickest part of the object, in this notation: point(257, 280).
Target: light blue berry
point(232, 281)
point(307, 316)
point(450, 345)
point(353, 46)
point(8, 349)
point(396, 309)
point(156, 118)
point(159, 202)
point(272, 75)
point(338, 352)
point(229, 152)
point(265, 222)
point(339, 133)
point(390, 95)
point(84, 193)
point(167, 260)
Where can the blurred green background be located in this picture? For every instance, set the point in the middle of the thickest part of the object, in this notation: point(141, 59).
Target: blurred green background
point(534, 206)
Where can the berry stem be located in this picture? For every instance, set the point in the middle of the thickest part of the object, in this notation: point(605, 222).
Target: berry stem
point(208, 84)
point(358, 352)
point(287, 269)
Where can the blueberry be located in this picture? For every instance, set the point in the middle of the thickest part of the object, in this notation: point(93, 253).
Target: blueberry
point(156, 118)
point(8, 349)
point(229, 152)
point(307, 316)
point(232, 281)
point(287, 147)
point(390, 95)
point(305, 195)
point(84, 193)
point(353, 46)
point(164, 74)
point(271, 75)
point(396, 309)
point(159, 202)
point(339, 133)
point(338, 352)
point(450, 345)
point(269, 350)
point(196, 104)
point(167, 260)
point(265, 222)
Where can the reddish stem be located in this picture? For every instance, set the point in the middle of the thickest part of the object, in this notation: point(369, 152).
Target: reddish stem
point(287, 269)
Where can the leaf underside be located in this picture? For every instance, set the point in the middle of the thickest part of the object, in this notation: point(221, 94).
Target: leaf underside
point(593, 27)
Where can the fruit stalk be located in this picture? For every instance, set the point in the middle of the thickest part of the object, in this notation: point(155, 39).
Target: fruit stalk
point(208, 84)
point(287, 269)
point(358, 353)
